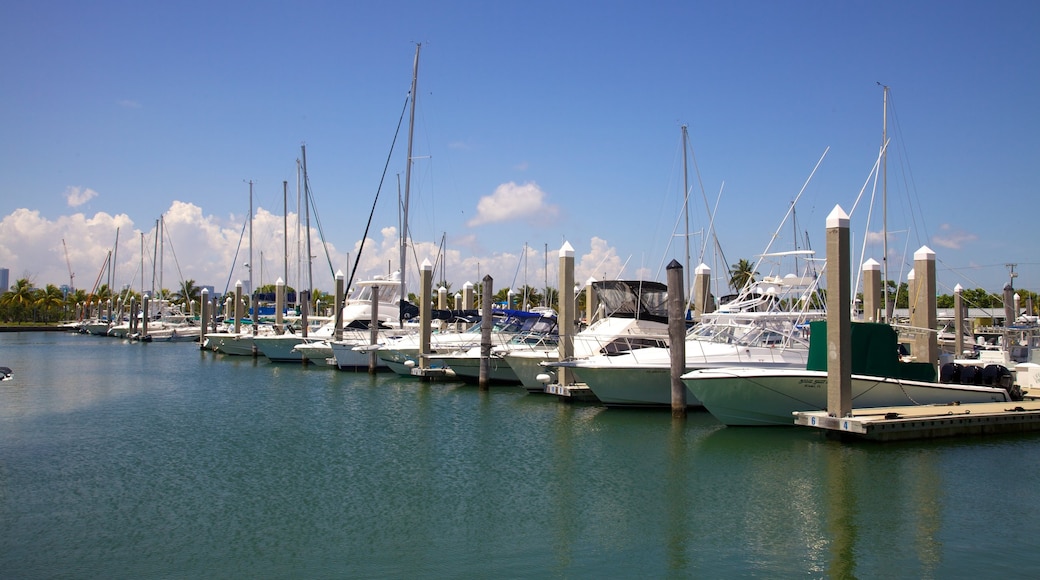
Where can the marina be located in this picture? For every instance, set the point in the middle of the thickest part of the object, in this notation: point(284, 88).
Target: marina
point(130, 460)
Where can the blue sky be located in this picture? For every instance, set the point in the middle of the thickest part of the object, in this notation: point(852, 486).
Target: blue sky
point(537, 123)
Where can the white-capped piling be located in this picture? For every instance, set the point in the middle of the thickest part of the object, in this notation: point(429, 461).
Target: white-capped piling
point(486, 325)
point(425, 312)
point(206, 312)
point(279, 305)
point(591, 301)
point(872, 291)
point(144, 316)
point(109, 304)
point(839, 316)
point(958, 321)
point(238, 306)
point(442, 298)
point(922, 315)
point(677, 336)
point(340, 294)
point(566, 314)
point(305, 311)
point(467, 296)
point(373, 331)
point(701, 291)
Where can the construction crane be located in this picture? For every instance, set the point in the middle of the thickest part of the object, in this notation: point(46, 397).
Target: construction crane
point(69, 264)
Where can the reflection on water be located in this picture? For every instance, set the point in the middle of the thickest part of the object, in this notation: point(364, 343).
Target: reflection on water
point(151, 460)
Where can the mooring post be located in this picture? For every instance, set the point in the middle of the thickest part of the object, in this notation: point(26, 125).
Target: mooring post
point(591, 301)
point(677, 336)
point(205, 313)
point(144, 316)
point(467, 296)
point(485, 331)
point(373, 331)
point(701, 292)
point(442, 298)
point(238, 306)
point(305, 311)
point(340, 293)
point(871, 290)
point(926, 345)
point(566, 314)
point(958, 321)
point(839, 316)
point(425, 311)
point(279, 305)
point(133, 315)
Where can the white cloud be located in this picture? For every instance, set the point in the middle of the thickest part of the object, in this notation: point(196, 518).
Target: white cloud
point(511, 202)
point(951, 238)
point(214, 251)
point(76, 196)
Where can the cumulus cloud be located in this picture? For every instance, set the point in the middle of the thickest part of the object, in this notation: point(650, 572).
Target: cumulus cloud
point(511, 202)
point(952, 238)
point(76, 196)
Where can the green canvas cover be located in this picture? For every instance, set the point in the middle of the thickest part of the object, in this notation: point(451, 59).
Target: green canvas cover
point(875, 351)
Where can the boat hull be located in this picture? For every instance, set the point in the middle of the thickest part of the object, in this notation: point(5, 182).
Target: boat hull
point(741, 396)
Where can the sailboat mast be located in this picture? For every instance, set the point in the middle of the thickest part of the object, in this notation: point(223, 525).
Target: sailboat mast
point(408, 180)
point(884, 198)
point(299, 260)
point(686, 205)
point(307, 232)
point(285, 235)
point(249, 266)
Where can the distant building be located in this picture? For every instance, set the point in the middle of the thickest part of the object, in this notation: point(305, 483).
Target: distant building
point(5, 280)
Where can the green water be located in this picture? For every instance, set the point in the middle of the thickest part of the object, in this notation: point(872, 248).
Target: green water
point(160, 461)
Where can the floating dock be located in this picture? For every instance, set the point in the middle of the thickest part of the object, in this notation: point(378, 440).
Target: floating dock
point(928, 421)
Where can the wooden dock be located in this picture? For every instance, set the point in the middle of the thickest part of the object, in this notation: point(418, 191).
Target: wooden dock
point(928, 421)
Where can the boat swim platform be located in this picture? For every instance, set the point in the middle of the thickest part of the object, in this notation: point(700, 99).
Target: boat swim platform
point(577, 392)
point(429, 374)
point(927, 421)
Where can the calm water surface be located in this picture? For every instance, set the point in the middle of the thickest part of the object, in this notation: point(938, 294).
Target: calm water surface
point(158, 460)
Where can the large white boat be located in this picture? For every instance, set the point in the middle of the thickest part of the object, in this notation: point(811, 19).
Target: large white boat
point(401, 354)
point(538, 332)
point(752, 329)
point(763, 396)
point(631, 315)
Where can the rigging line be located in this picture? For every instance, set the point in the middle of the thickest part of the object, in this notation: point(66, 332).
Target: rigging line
point(180, 276)
point(790, 209)
point(231, 272)
point(357, 258)
point(317, 221)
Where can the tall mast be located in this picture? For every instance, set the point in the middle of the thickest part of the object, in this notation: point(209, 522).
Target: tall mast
point(884, 198)
point(285, 235)
point(408, 179)
point(299, 260)
point(249, 266)
point(686, 206)
point(307, 212)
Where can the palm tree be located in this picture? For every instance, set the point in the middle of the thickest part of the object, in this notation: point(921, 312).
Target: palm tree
point(50, 302)
point(19, 300)
point(187, 292)
point(742, 274)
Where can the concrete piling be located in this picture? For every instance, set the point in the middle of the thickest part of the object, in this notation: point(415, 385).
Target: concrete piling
point(677, 336)
point(839, 316)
